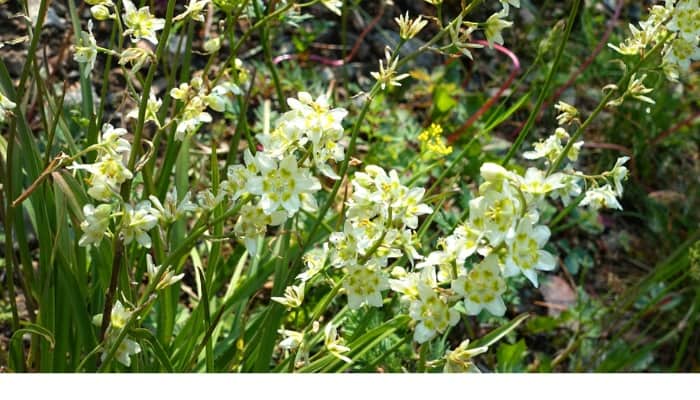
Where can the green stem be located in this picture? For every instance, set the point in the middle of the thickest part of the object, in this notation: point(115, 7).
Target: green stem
point(545, 90)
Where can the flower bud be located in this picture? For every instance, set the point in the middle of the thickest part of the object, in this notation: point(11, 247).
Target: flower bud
point(100, 12)
point(212, 45)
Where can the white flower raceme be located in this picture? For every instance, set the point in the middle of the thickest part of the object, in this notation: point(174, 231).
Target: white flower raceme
point(5, 105)
point(137, 221)
point(252, 225)
point(141, 23)
point(96, 224)
point(432, 312)
point(494, 25)
point(363, 285)
point(601, 197)
point(108, 172)
point(482, 287)
point(525, 252)
point(86, 52)
point(281, 185)
point(308, 121)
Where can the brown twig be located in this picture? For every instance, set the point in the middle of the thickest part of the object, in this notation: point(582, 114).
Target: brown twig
point(686, 122)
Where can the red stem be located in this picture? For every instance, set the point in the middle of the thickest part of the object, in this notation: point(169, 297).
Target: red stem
point(490, 102)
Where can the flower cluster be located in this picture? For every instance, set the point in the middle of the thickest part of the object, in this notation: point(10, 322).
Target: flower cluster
point(432, 144)
point(381, 219)
point(678, 23)
point(278, 180)
point(196, 98)
point(106, 175)
point(127, 347)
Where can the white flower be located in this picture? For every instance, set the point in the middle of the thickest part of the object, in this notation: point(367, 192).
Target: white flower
point(387, 76)
point(141, 23)
point(686, 19)
point(5, 105)
point(112, 142)
point(495, 213)
point(409, 28)
point(126, 348)
point(432, 313)
point(363, 285)
point(314, 260)
point(494, 25)
point(292, 339)
point(293, 296)
point(191, 117)
point(619, 174)
point(525, 252)
point(252, 224)
point(137, 221)
point(137, 57)
point(119, 316)
point(571, 189)
point(334, 343)
point(108, 173)
point(682, 51)
point(168, 277)
point(333, 5)
point(536, 182)
point(100, 12)
point(281, 184)
point(170, 211)
point(86, 52)
point(407, 284)
point(601, 197)
point(482, 287)
point(152, 107)
point(460, 359)
point(96, 224)
point(193, 10)
point(567, 113)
